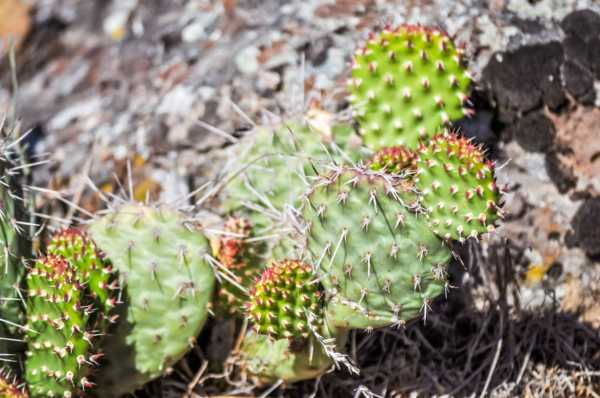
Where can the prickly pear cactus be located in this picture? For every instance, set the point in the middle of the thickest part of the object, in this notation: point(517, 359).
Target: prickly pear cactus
point(458, 187)
point(407, 83)
point(376, 257)
point(163, 265)
point(280, 300)
point(394, 160)
point(60, 333)
point(243, 258)
point(9, 387)
point(272, 359)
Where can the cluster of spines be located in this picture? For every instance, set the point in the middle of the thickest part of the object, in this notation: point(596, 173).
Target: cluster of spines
point(281, 299)
point(9, 387)
point(458, 187)
point(407, 83)
point(394, 160)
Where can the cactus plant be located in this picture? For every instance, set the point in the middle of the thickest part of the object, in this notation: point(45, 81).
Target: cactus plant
point(407, 83)
point(163, 264)
point(458, 187)
point(280, 299)
point(60, 330)
point(379, 262)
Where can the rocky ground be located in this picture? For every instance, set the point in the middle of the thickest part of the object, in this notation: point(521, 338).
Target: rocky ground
point(167, 84)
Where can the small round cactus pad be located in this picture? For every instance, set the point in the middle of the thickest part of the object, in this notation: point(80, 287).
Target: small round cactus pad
point(458, 187)
point(407, 83)
point(377, 258)
point(280, 298)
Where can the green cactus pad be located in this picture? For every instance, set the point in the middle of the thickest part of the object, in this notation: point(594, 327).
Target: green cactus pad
point(394, 160)
point(162, 263)
point(272, 168)
point(407, 83)
point(60, 338)
point(458, 187)
point(280, 298)
point(243, 258)
point(379, 262)
point(271, 360)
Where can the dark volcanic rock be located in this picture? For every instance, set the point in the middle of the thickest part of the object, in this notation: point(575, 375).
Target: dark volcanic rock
point(582, 42)
point(524, 79)
point(535, 132)
point(563, 178)
point(586, 226)
point(579, 82)
point(584, 24)
point(479, 128)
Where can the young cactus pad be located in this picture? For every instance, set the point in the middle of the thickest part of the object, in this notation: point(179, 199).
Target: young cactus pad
point(162, 263)
point(60, 335)
point(458, 187)
point(280, 299)
point(9, 387)
point(243, 258)
point(378, 260)
point(406, 83)
point(75, 246)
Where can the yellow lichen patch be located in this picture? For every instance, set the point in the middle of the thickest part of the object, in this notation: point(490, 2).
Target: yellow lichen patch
point(536, 272)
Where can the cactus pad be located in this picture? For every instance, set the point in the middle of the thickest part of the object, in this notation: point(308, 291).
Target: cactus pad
point(458, 187)
point(394, 160)
point(291, 361)
point(379, 262)
point(280, 298)
point(407, 83)
point(272, 168)
point(60, 335)
point(163, 264)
